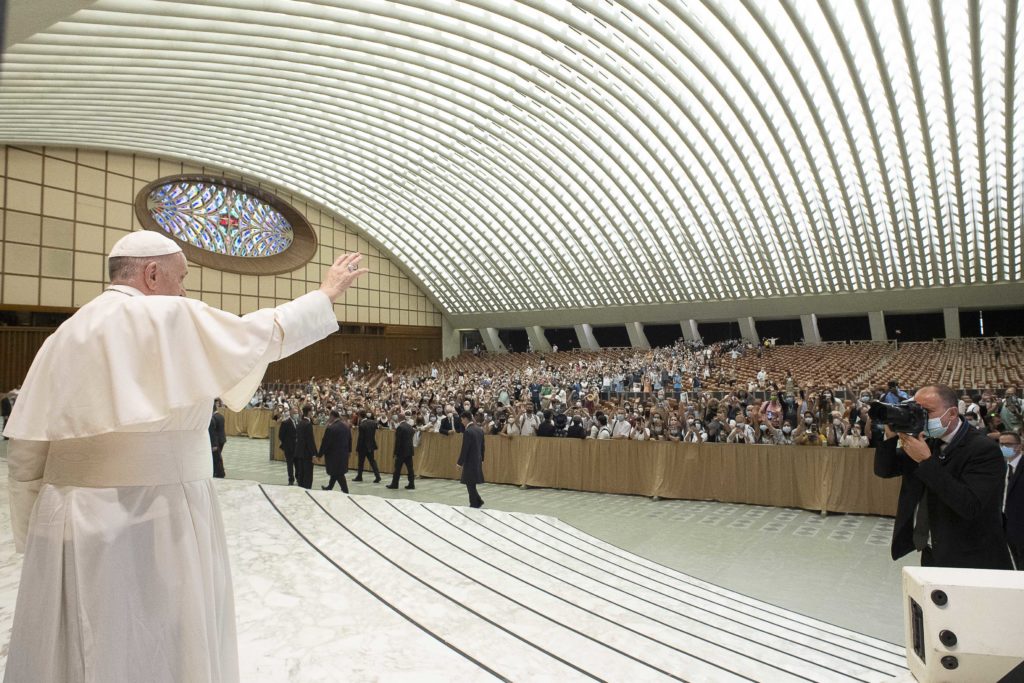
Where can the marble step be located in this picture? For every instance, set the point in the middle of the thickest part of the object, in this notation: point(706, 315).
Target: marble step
point(528, 596)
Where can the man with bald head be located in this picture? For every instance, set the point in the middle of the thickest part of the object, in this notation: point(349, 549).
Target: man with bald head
point(951, 496)
point(126, 574)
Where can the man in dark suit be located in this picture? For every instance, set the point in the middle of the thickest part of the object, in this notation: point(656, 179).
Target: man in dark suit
point(217, 440)
point(335, 449)
point(286, 435)
point(305, 449)
point(403, 452)
point(1013, 508)
point(471, 458)
point(450, 423)
point(366, 446)
point(951, 495)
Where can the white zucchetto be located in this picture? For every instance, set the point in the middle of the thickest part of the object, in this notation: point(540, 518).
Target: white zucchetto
point(142, 243)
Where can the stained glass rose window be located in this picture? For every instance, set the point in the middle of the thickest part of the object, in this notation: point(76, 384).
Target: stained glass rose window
point(240, 228)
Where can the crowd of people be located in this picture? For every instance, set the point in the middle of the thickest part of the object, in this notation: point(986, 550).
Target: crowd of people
point(655, 395)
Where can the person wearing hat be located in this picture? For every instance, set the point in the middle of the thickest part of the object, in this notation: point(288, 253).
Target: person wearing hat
point(126, 573)
point(404, 449)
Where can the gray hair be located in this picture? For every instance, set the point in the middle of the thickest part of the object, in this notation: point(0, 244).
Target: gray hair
point(127, 268)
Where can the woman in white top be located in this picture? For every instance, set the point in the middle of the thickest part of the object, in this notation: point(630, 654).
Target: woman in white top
point(640, 431)
point(854, 439)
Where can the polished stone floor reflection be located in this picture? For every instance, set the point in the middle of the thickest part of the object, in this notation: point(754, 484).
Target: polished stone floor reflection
point(539, 584)
point(834, 568)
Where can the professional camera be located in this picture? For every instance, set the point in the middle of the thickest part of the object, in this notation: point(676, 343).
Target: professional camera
point(905, 418)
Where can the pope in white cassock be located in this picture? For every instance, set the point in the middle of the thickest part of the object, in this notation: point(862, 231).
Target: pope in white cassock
point(126, 574)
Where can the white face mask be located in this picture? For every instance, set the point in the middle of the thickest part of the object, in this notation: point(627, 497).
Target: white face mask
point(787, 430)
point(808, 420)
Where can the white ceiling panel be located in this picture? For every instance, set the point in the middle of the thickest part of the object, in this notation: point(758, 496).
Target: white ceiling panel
point(520, 156)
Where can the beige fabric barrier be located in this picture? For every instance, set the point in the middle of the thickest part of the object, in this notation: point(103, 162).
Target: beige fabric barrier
point(251, 422)
point(827, 479)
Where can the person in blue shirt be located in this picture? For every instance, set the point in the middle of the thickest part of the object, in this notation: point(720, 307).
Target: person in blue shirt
point(895, 395)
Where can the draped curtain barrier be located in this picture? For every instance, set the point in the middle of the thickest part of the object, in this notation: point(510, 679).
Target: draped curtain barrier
point(825, 479)
point(252, 422)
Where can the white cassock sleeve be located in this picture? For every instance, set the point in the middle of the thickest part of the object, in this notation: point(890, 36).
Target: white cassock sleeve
point(25, 463)
point(297, 324)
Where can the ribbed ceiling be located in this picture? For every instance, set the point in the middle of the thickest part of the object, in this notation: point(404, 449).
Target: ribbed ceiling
point(540, 155)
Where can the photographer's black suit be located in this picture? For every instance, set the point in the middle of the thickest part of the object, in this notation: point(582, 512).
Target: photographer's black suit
point(1014, 514)
point(963, 490)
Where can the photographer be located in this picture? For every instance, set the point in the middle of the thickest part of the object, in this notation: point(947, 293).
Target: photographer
point(837, 429)
point(807, 433)
point(951, 496)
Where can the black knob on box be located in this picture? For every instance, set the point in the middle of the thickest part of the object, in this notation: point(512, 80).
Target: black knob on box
point(940, 598)
point(950, 662)
point(947, 638)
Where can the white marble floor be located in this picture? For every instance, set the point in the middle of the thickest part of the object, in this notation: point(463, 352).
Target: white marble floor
point(363, 588)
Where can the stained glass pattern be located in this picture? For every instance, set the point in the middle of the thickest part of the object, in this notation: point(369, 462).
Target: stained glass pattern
point(219, 219)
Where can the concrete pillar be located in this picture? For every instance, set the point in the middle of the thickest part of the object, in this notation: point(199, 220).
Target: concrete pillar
point(952, 318)
point(690, 332)
point(809, 324)
point(637, 338)
point(748, 330)
point(876, 319)
point(491, 340)
point(537, 339)
point(449, 339)
point(585, 335)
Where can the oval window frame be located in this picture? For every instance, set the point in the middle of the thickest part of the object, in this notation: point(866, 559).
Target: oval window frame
point(298, 254)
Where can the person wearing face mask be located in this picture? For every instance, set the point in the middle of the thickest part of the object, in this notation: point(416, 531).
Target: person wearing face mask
point(784, 436)
point(837, 429)
point(764, 435)
point(529, 421)
point(657, 429)
point(286, 432)
point(450, 423)
point(740, 431)
point(1013, 505)
point(951, 495)
point(366, 446)
point(854, 439)
point(807, 433)
point(621, 427)
point(404, 449)
point(695, 433)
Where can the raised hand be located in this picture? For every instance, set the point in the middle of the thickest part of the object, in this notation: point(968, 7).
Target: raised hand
point(342, 273)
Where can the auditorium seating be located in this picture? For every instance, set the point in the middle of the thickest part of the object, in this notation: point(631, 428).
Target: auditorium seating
point(965, 364)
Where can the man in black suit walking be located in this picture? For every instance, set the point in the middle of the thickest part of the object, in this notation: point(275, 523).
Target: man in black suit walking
point(217, 440)
point(951, 496)
point(366, 446)
point(286, 435)
point(335, 449)
point(471, 458)
point(305, 449)
point(404, 449)
point(1013, 508)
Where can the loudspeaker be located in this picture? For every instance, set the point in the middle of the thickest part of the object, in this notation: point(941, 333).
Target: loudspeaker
point(964, 624)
